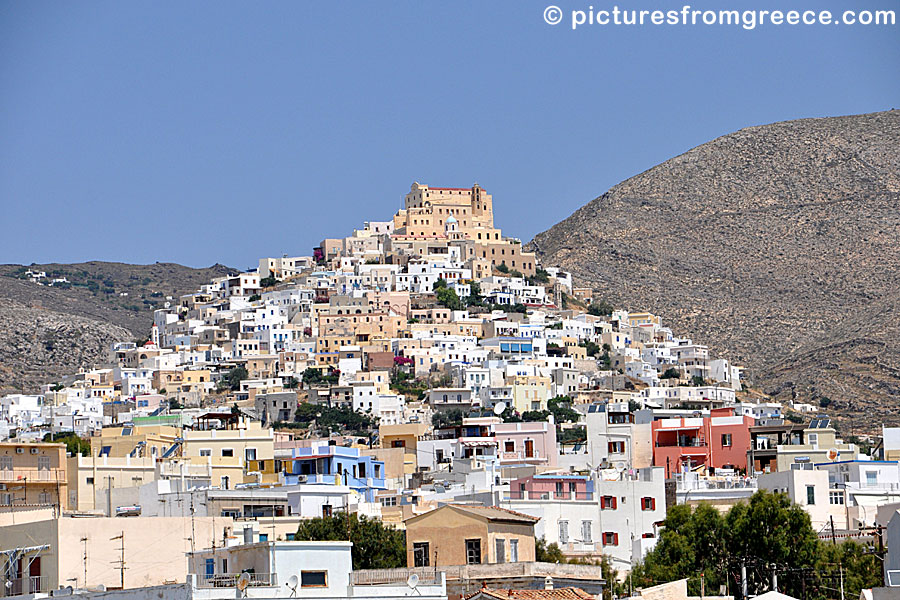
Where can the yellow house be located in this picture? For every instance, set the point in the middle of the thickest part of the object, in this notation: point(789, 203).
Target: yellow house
point(230, 445)
point(88, 475)
point(530, 392)
point(135, 441)
point(405, 436)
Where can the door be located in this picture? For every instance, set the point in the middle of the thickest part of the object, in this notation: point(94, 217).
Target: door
point(529, 448)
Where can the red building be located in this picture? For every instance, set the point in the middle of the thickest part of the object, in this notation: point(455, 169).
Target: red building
point(719, 441)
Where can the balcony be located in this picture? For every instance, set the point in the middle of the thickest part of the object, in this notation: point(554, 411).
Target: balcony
point(33, 475)
point(26, 585)
point(682, 443)
point(230, 580)
point(572, 496)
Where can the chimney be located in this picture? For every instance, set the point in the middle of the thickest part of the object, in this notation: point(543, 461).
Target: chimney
point(548, 583)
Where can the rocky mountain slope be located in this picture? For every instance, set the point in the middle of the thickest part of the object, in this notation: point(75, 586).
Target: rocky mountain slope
point(50, 331)
point(777, 245)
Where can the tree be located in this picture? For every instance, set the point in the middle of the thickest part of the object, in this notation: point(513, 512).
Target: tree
point(600, 309)
point(671, 373)
point(255, 298)
point(474, 298)
point(767, 530)
point(375, 545)
point(547, 553)
point(75, 445)
point(439, 284)
point(267, 282)
point(590, 347)
point(447, 297)
point(561, 409)
point(333, 418)
point(502, 268)
point(311, 376)
point(235, 376)
point(447, 418)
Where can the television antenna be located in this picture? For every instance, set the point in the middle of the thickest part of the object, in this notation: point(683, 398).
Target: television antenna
point(292, 583)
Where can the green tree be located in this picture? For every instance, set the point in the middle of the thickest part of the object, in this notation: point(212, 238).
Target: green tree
point(267, 282)
point(75, 445)
point(447, 418)
point(547, 553)
point(671, 373)
point(561, 409)
point(767, 530)
point(502, 268)
point(440, 284)
point(375, 545)
point(447, 297)
point(600, 309)
point(334, 418)
point(235, 376)
point(861, 570)
point(474, 298)
point(590, 347)
point(255, 298)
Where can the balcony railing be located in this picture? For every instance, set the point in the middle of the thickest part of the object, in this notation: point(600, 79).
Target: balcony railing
point(687, 443)
point(47, 475)
point(392, 577)
point(25, 585)
point(526, 495)
point(230, 580)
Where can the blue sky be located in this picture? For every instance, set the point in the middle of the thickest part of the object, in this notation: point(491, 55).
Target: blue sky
point(206, 132)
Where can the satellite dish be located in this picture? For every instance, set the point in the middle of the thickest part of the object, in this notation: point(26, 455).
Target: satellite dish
point(292, 583)
point(499, 408)
point(620, 466)
point(833, 453)
point(413, 581)
point(243, 581)
point(101, 588)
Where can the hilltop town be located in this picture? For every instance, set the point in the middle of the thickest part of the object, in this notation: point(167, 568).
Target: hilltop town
point(423, 376)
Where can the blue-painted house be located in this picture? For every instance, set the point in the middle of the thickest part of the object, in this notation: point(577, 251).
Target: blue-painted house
point(336, 465)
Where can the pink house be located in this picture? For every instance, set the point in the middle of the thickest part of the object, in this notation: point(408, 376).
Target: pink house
point(552, 486)
point(718, 441)
point(529, 443)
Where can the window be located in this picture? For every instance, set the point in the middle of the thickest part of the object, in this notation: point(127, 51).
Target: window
point(225, 482)
point(509, 446)
point(726, 439)
point(871, 478)
point(559, 488)
point(326, 511)
point(210, 568)
point(610, 538)
point(501, 550)
point(205, 452)
point(608, 502)
point(587, 535)
point(313, 578)
point(389, 501)
point(836, 497)
point(89, 481)
point(563, 532)
point(648, 503)
point(6, 463)
point(421, 553)
point(473, 552)
point(227, 452)
point(616, 447)
point(513, 550)
point(810, 494)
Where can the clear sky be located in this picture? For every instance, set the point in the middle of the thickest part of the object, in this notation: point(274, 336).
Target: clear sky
point(204, 132)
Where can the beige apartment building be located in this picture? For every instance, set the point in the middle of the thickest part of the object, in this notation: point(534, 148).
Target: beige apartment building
point(90, 476)
point(32, 474)
point(54, 552)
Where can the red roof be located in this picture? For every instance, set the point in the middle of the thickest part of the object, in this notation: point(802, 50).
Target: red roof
point(556, 594)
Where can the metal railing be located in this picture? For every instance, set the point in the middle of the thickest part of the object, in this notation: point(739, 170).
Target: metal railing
point(393, 576)
point(25, 585)
point(24, 475)
point(230, 580)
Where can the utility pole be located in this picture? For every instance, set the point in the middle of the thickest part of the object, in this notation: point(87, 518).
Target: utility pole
point(743, 580)
point(121, 561)
point(841, 569)
point(833, 540)
point(84, 541)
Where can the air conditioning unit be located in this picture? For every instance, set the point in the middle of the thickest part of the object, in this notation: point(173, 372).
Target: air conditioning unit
point(2, 487)
point(20, 450)
point(34, 450)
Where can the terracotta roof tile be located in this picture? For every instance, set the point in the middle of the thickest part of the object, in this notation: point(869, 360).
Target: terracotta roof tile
point(556, 594)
